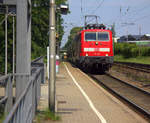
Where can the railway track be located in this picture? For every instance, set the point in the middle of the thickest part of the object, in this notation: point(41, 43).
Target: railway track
point(134, 96)
point(136, 66)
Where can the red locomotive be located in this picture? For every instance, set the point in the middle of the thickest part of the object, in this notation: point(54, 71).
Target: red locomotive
point(92, 48)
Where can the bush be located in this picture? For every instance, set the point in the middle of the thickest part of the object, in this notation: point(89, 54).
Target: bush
point(145, 51)
point(117, 49)
point(131, 50)
point(135, 52)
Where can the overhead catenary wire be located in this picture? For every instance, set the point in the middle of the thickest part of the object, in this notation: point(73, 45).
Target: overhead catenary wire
point(99, 5)
point(81, 7)
point(133, 19)
point(93, 20)
point(143, 17)
point(82, 15)
point(134, 13)
point(140, 18)
point(127, 13)
point(119, 17)
point(93, 12)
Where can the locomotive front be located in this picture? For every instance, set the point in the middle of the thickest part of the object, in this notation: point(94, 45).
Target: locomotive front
point(96, 49)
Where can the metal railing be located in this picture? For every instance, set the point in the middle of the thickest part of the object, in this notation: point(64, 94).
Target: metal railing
point(23, 111)
point(7, 99)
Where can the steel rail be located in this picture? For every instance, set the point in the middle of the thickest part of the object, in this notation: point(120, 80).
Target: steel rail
point(133, 63)
point(136, 66)
point(137, 107)
point(139, 89)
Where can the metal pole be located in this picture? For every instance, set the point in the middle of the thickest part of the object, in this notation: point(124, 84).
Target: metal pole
point(23, 45)
point(13, 47)
point(52, 56)
point(127, 33)
point(6, 16)
point(140, 30)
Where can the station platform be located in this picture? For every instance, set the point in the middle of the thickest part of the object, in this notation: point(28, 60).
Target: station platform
point(81, 100)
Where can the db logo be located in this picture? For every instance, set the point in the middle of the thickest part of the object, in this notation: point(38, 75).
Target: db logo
point(96, 49)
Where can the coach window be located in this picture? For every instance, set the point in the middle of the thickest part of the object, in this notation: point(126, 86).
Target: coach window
point(103, 36)
point(90, 36)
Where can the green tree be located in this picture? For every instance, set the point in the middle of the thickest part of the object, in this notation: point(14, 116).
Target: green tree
point(72, 35)
point(40, 28)
point(40, 25)
point(2, 44)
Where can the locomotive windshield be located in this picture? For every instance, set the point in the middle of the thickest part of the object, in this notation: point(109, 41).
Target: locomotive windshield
point(90, 36)
point(96, 36)
point(103, 36)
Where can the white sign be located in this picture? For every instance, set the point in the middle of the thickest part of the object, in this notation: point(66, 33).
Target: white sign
point(48, 62)
point(10, 2)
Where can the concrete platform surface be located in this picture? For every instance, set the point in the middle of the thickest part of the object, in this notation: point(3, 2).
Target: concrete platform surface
point(81, 100)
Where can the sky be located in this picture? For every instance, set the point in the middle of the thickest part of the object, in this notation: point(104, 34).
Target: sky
point(129, 16)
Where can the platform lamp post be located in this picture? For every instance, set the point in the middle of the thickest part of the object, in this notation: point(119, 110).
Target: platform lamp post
point(52, 53)
point(52, 56)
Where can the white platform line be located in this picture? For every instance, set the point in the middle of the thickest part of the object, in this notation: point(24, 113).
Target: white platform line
point(86, 97)
point(97, 85)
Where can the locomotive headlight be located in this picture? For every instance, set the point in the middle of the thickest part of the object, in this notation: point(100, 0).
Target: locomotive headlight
point(86, 54)
point(96, 43)
point(106, 54)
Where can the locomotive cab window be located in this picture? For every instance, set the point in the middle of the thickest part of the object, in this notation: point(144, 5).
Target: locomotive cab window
point(90, 36)
point(103, 36)
point(96, 36)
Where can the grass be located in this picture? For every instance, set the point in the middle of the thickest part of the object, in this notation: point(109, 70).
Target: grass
point(2, 117)
point(142, 60)
point(46, 116)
